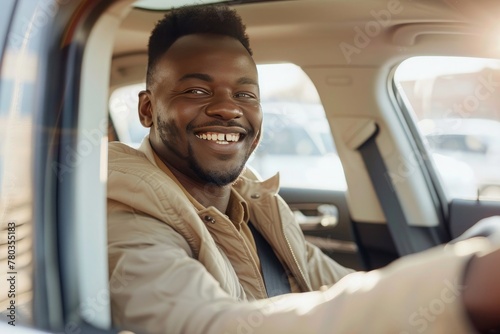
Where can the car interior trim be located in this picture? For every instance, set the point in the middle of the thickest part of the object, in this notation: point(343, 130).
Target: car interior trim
point(407, 34)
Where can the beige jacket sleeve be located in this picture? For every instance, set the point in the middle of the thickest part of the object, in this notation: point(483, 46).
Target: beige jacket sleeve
point(157, 287)
point(322, 270)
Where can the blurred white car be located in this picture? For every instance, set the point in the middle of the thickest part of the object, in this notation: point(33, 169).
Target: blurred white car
point(458, 178)
point(297, 143)
point(475, 142)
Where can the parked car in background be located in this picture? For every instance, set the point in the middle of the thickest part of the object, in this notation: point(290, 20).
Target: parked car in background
point(297, 143)
point(475, 142)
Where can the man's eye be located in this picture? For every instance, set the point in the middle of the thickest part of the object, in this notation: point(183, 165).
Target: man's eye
point(196, 91)
point(245, 95)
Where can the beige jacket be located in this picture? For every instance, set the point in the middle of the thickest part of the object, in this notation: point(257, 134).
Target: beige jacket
point(172, 270)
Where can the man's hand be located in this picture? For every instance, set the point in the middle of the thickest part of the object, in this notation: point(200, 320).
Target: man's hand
point(486, 227)
point(482, 291)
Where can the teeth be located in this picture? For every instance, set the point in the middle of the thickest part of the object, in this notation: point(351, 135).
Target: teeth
point(220, 138)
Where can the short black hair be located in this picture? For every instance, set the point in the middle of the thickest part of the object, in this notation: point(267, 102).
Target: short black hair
point(188, 20)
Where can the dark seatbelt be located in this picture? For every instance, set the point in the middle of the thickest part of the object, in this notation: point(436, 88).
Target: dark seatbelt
point(275, 276)
point(387, 196)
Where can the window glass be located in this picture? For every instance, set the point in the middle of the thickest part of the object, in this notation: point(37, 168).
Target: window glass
point(296, 141)
point(163, 5)
point(18, 68)
point(457, 108)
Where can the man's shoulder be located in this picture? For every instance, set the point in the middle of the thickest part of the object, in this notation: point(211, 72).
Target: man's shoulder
point(125, 163)
point(136, 181)
point(122, 156)
point(118, 150)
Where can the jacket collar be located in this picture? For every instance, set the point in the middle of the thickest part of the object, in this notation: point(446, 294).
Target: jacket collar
point(148, 150)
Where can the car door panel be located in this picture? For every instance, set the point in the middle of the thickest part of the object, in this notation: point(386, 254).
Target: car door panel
point(330, 231)
point(466, 213)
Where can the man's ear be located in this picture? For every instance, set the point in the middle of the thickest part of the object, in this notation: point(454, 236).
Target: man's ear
point(145, 108)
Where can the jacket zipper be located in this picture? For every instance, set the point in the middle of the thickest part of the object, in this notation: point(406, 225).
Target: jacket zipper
point(302, 276)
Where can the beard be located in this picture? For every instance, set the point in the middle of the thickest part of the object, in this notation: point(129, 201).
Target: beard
point(217, 177)
point(169, 130)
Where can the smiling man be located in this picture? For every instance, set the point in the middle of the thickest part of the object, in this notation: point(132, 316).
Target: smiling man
point(202, 105)
point(197, 244)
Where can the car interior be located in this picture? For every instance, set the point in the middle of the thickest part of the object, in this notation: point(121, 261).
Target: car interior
point(396, 194)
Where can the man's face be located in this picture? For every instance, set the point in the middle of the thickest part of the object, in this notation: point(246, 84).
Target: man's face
point(203, 108)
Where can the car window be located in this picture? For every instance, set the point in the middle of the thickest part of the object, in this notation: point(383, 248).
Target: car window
point(17, 88)
point(456, 104)
point(297, 141)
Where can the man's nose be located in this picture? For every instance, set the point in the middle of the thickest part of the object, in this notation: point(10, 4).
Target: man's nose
point(224, 108)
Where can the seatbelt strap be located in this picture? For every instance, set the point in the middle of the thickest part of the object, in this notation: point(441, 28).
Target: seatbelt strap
point(275, 276)
point(387, 196)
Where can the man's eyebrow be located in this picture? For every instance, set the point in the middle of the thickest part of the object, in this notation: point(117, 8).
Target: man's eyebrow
point(247, 81)
point(209, 78)
point(200, 76)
